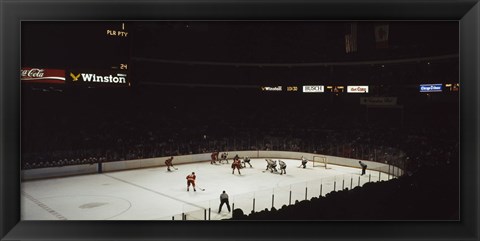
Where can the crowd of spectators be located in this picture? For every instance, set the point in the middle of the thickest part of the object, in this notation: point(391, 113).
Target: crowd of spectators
point(88, 133)
point(433, 194)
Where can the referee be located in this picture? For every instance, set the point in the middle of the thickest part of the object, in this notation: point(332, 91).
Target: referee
point(223, 199)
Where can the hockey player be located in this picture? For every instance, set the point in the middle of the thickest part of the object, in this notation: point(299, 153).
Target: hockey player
point(214, 157)
point(169, 164)
point(304, 162)
point(245, 161)
point(236, 164)
point(272, 165)
point(224, 157)
point(268, 163)
point(364, 167)
point(283, 167)
point(191, 180)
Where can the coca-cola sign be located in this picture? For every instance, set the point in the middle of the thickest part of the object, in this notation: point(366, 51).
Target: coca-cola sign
point(40, 75)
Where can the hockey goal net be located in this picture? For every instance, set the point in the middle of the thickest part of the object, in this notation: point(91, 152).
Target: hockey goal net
point(320, 161)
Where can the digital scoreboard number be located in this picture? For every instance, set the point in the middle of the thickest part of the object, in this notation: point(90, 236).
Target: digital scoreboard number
point(118, 38)
point(118, 32)
point(292, 88)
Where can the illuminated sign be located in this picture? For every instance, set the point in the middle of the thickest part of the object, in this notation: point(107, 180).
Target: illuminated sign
point(335, 89)
point(269, 88)
point(109, 77)
point(313, 89)
point(40, 75)
point(292, 88)
point(431, 88)
point(118, 32)
point(452, 87)
point(357, 89)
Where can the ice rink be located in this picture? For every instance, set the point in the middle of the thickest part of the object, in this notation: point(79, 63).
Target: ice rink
point(156, 194)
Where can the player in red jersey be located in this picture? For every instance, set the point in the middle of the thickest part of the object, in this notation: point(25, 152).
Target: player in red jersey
point(214, 157)
point(191, 180)
point(236, 164)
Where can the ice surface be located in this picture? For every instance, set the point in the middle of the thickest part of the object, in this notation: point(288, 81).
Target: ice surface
point(156, 194)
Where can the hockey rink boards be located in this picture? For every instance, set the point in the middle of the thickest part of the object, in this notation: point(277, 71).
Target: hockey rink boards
point(156, 194)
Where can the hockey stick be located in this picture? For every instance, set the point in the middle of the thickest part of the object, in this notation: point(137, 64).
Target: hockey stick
point(302, 165)
point(203, 189)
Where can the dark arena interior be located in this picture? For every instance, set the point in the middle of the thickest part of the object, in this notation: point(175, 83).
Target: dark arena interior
point(196, 87)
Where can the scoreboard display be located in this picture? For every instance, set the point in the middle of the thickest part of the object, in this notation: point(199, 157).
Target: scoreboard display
point(94, 46)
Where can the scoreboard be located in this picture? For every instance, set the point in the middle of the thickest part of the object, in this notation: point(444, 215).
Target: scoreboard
point(96, 47)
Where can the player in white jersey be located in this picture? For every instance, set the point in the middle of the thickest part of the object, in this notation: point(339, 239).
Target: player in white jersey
point(224, 157)
point(169, 163)
point(283, 167)
point(304, 162)
point(246, 161)
point(271, 165)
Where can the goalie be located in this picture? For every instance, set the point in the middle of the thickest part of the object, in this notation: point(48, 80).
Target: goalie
point(304, 162)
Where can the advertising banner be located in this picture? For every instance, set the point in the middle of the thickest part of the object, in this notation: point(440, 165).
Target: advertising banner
point(272, 88)
point(335, 89)
point(42, 75)
point(98, 77)
point(357, 89)
point(313, 89)
point(431, 88)
point(379, 101)
point(452, 87)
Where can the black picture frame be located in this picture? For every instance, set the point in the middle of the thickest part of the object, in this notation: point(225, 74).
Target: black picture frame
point(13, 12)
